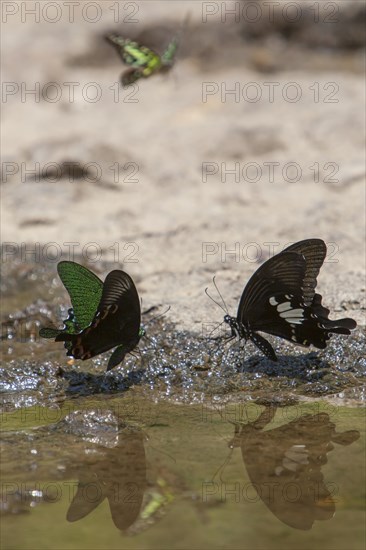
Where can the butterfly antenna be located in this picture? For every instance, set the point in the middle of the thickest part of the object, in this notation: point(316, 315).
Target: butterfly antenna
point(152, 308)
point(148, 310)
point(217, 303)
point(219, 293)
point(223, 466)
point(225, 463)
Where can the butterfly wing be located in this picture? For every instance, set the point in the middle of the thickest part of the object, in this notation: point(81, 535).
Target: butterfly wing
point(283, 274)
point(130, 76)
point(85, 290)
point(169, 54)
point(116, 322)
point(70, 326)
point(49, 332)
point(118, 355)
point(81, 505)
point(314, 252)
point(134, 54)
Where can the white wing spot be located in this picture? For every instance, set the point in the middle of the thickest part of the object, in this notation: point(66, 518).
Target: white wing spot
point(293, 316)
point(284, 307)
point(273, 301)
point(293, 313)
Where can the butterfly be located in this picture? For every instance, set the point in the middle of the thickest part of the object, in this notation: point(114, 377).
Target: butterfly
point(143, 61)
point(103, 316)
point(280, 299)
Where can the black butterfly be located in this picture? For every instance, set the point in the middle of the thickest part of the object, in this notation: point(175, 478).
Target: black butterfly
point(280, 299)
point(116, 322)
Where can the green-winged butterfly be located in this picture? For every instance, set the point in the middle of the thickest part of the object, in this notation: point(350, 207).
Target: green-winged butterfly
point(143, 61)
point(102, 316)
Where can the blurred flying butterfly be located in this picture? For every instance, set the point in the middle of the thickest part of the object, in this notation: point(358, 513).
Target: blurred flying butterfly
point(280, 299)
point(143, 61)
point(102, 317)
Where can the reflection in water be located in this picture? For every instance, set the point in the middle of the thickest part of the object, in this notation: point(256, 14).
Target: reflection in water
point(95, 459)
point(106, 456)
point(284, 465)
point(120, 476)
point(156, 500)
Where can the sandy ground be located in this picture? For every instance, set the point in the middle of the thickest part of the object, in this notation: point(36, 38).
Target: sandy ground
point(173, 219)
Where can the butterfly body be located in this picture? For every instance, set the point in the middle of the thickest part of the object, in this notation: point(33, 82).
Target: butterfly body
point(143, 61)
point(280, 299)
point(104, 315)
point(243, 332)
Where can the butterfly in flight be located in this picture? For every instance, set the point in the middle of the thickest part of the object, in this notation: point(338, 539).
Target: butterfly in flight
point(280, 299)
point(103, 315)
point(143, 62)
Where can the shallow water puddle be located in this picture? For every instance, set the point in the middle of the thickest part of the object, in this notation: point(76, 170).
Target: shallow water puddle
point(127, 472)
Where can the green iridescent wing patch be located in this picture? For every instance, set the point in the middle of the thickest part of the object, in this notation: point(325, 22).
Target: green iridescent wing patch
point(134, 54)
point(143, 61)
point(49, 332)
point(85, 290)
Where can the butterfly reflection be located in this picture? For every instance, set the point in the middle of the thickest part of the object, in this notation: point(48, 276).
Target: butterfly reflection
point(119, 477)
point(284, 465)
